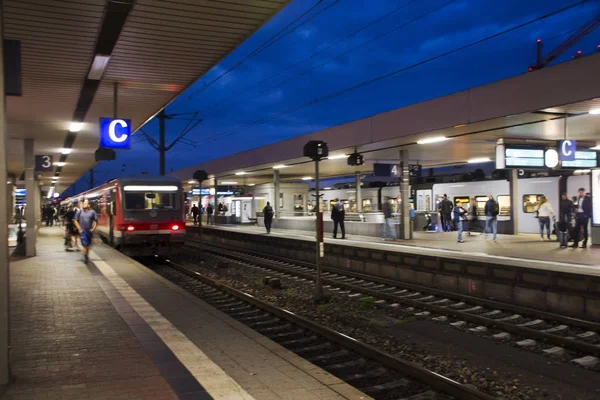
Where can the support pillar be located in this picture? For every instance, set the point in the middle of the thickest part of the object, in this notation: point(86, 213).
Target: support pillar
point(277, 191)
point(216, 200)
point(30, 198)
point(514, 201)
point(405, 225)
point(4, 254)
point(359, 207)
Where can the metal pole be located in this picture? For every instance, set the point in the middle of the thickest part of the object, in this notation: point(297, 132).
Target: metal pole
point(4, 255)
point(30, 198)
point(216, 202)
point(161, 144)
point(318, 236)
point(565, 126)
point(115, 98)
point(359, 207)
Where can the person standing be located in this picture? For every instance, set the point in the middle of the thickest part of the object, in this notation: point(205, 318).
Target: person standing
point(337, 215)
point(446, 210)
point(195, 212)
point(544, 212)
point(566, 209)
point(582, 217)
point(458, 214)
point(209, 214)
point(268, 216)
point(86, 222)
point(388, 223)
point(492, 209)
point(473, 221)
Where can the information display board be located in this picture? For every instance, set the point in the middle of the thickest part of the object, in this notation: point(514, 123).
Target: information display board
point(583, 159)
point(524, 158)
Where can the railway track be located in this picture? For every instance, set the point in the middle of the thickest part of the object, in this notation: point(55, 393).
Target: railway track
point(555, 335)
point(377, 374)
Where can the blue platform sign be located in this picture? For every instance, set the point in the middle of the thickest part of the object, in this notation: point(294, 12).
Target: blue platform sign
point(115, 133)
point(567, 150)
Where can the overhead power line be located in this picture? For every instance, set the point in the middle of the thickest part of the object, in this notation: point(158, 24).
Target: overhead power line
point(393, 73)
point(268, 43)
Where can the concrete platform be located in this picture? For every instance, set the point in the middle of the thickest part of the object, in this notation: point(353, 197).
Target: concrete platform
point(526, 250)
point(113, 329)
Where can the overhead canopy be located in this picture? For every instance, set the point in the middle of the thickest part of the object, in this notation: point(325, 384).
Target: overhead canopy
point(157, 49)
point(531, 106)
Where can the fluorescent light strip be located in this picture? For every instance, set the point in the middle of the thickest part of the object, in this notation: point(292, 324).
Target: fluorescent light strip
point(337, 157)
point(595, 111)
point(279, 166)
point(228, 183)
point(142, 188)
point(65, 151)
point(98, 66)
point(192, 182)
point(60, 164)
point(307, 178)
point(241, 173)
point(434, 139)
point(75, 126)
point(479, 160)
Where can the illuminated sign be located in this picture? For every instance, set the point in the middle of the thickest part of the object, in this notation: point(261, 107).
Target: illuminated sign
point(115, 133)
point(524, 158)
point(200, 192)
point(582, 159)
point(567, 150)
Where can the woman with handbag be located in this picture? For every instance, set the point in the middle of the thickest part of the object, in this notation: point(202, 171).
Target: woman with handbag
point(543, 212)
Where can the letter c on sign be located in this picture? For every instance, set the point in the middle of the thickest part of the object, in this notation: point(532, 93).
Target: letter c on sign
point(566, 148)
point(111, 131)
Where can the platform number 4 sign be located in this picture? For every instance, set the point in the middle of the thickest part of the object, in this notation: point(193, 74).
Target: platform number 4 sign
point(43, 163)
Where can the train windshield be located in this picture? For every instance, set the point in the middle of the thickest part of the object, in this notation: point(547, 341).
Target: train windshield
point(149, 198)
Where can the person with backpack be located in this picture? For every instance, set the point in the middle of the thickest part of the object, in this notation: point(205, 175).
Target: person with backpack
point(458, 214)
point(446, 209)
point(337, 215)
point(268, 215)
point(492, 209)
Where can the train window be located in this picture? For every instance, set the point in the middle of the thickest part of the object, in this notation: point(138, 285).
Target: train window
point(481, 200)
point(504, 205)
point(366, 203)
point(141, 201)
point(530, 201)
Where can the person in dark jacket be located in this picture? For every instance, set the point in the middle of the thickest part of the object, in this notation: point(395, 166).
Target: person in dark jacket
point(446, 210)
point(195, 211)
point(268, 214)
point(566, 209)
point(492, 209)
point(458, 215)
point(209, 214)
point(337, 215)
point(583, 212)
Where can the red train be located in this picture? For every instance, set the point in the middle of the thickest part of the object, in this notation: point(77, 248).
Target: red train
point(140, 215)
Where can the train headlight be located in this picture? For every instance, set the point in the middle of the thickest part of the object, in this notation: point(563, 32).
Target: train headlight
point(130, 228)
point(175, 227)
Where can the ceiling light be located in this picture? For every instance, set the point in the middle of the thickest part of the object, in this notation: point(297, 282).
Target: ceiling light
point(434, 139)
point(65, 151)
point(337, 157)
point(98, 66)
point(55, 178)
point(479, 160)
point(307, 178)
point(279, 166)
point(228, 183)
point(460, 125)
point(241, 173)
point(582, 171)
point(149, 188)
point(60, 164)
point(327, 188)
point(251, 184)
point(597, 147)
point(192, 182)
point(595, 111)
point(75, 127)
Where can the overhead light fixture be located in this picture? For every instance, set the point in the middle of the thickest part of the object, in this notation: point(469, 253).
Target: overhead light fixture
point(54, 178)
point(478, 160)
point(595, 111)
point(192, 182)
point(251, 184)
point(337, 157)
point(279, 166)
point(327, 188)
point(460, 125)
point(65, 151)
point(582, 171)
point(434, 139)
point(149, 188)
point(307, 178)
point(597, 147)
point(241, 173)
point(98, 66)
point(75, 126)
point(60, 164)
point(228, 183)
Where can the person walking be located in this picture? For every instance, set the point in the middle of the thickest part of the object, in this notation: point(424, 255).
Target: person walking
point(582, 218)
point(337, 215)
point(544, 212)
point(86, 222)
point(446, 209)
point(492, 209)
point(458, 214)
point(388, 222)
point(268, 216)
point(195, 211)
point(209, 214)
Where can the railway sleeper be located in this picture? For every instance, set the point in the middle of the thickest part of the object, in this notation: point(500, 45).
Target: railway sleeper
point(354, 379)
point(265, 323)
point(279, 328)
point(351, 365)
point(329, 357)
point(285, 335)
point(386, 387)
point(301, 341)
point(428, 395)
point(318, 348)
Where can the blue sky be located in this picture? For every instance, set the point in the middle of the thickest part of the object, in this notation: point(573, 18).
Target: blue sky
point(283, 91)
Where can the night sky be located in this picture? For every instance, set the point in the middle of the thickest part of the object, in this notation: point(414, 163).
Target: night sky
point(292, 87)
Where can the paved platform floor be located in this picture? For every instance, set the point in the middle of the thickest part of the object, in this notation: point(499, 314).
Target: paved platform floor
point(116, 330)
point(525, 250)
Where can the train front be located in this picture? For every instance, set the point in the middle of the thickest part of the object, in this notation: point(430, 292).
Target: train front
point(152, 220)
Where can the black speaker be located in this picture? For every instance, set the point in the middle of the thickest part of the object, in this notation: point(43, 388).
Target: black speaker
point(316, 150)
point(200, 175)
point(356, 159)
point(103, 154)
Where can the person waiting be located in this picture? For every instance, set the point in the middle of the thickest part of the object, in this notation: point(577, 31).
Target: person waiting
point(337, 215)
point(491, 210)
point(268, 216)
point(544, 212)
point(209, 214)
point(195, 211)
point(582, 218)
point(458, 214)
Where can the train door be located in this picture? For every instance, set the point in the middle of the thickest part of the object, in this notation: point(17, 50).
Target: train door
point(529, 192)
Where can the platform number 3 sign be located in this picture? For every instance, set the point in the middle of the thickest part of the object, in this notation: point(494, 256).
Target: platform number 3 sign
point(43, 163)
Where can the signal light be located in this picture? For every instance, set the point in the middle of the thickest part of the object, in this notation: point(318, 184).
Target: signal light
point(175, 227)
point(130, 228)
